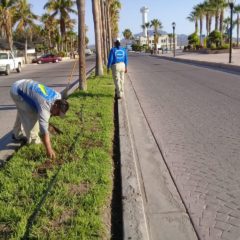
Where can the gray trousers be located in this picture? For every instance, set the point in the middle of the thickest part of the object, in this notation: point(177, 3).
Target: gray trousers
point(26, 120)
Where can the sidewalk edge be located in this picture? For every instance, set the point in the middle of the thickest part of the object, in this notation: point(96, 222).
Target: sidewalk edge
point(204, 63)
point(134, 219)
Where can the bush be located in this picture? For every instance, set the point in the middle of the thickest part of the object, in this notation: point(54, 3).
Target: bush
point(193, 39)
point(215, 37)
point(62, 54)
point(137, 47)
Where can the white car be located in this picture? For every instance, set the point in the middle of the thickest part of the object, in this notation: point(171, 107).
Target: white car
point(88, 52)
point(9, 63)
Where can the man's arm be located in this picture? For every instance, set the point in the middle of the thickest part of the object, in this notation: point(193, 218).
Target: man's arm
point(126, 60)
point(48, 146)
point(110, 60)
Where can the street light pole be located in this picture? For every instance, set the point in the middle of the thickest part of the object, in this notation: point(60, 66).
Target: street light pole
point(174, 46)
point(231, 4)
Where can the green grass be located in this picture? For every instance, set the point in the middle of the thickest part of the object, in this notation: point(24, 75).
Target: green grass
point(75, 206)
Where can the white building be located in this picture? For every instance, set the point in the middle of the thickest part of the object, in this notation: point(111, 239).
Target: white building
point(164, 42)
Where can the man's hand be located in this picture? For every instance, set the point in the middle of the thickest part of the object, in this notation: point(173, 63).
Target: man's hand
point(125, 70)
point(47, 143)
point(51, 154)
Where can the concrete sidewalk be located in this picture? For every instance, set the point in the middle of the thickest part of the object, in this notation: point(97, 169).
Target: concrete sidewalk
point(152, 207)
point(220, 60)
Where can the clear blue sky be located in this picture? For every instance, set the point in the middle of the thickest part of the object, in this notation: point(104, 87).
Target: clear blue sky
point(166, 11)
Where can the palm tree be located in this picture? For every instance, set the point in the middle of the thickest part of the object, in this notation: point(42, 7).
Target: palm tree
point(200, 12)
point(7, 11)
point(50, 27)
point(108, 25)
point(96, 19)
point(82, 45)
point(114, 8)
point(237, 11)
point(156, 24)
point(209, 12)
point(25, 21)
point(193, 18)
point(63, 8)
point(127, 34)
point(147, 25)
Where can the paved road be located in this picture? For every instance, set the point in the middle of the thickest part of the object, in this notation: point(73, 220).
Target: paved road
point(53, 74)
point(194, 115)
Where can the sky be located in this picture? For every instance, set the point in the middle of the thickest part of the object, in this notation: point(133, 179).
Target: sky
point(166, 11)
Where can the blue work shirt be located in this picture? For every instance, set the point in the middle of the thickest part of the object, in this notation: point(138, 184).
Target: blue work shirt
point(117, 55)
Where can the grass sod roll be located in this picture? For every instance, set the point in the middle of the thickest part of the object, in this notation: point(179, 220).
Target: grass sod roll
point(77, 205)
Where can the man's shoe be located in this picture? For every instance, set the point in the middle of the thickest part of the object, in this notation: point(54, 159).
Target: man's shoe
point(21, 139)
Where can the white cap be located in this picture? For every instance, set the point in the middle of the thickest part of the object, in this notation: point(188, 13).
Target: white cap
point(117, 39)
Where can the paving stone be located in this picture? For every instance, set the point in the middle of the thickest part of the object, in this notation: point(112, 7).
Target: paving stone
point(194, 114)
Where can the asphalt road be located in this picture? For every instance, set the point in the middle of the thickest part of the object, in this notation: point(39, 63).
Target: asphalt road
point(54, 75)
point(194, 115)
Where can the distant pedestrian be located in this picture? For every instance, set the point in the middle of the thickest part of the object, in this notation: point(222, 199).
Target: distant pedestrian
point(35, 104)
point(118, 61)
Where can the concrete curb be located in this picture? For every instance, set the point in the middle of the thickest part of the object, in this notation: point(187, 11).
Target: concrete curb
point(204, 63)
point(134, 219)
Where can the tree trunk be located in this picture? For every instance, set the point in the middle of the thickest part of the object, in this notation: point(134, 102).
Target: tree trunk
point(104, 31)
point(201, 27)
point(96, 19)
point(109, 27)
point(238, 29)
point(196, 26)
point(210, 24)
point(221, 25)
point(81, 45)
point(216, 20)
point(101, 28)
point(207, 23)
point(25, 52)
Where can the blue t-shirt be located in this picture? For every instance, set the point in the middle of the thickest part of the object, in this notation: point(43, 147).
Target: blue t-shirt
point(117, 55)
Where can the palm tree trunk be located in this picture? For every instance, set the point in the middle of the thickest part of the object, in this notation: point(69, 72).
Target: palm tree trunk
point(207, 23)
point(109, 32)
point(104, 31)
point(216, 20)
point(81, 45)
point(221, 24)
point(101, 28)
point(201, 27)
point(8, 28)
point(25, 52)
point(210, 25)
point(196, 26)
point(238, 29)
point(96, 19)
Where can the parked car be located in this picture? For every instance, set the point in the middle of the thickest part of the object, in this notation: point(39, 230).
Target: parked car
point(47, 58)
point(8, 62)
point(88, 52)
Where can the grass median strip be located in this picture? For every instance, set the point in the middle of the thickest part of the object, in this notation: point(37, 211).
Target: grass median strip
point(77, 205)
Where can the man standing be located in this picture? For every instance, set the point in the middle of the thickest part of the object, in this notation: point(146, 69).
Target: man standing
point(35, 104)
point(118, 61)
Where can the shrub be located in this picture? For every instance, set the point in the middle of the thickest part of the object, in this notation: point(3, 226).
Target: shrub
point(193, 39)
point(137, 47)
point(215, 37)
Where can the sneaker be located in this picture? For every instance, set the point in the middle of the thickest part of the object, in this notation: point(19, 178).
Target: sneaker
point(21, 139)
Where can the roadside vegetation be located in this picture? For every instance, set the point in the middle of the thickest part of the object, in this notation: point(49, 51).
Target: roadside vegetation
point(68, 198)
point(211, 13)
